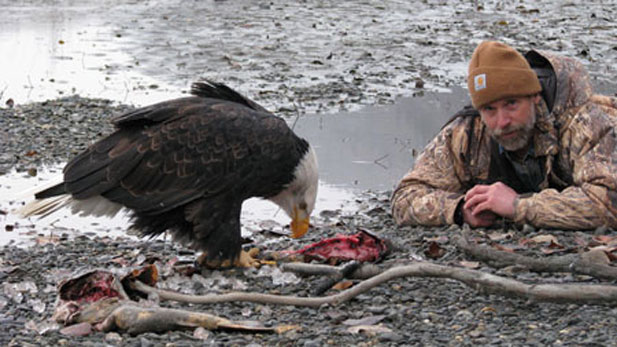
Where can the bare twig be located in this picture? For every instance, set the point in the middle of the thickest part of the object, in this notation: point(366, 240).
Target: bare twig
point(378, 161)
point(572, 263)
point(344, 272)
point(487, 283)
point(297, 109)
point(363, 272)
point(310, 269)
point(499, 259)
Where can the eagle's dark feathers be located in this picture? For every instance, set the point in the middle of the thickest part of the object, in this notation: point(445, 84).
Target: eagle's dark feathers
point(186, 165)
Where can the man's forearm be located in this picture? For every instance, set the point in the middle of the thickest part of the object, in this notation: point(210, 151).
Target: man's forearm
point(574, 208)
point(422, 205)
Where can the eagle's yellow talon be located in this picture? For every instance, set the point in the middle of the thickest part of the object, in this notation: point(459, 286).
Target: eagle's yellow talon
point(253, 252)
point(268, 262)
point(246, 259)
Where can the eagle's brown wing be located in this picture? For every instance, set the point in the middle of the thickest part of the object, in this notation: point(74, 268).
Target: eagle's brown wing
point(186, 165)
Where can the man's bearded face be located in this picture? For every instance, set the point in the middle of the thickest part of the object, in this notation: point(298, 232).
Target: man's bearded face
point(510, 122)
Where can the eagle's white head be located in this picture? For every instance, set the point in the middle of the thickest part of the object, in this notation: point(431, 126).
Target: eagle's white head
point(298, 198)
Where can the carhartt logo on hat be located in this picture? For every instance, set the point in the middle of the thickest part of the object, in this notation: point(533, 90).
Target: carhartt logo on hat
point(480, 82)
point(509, 73)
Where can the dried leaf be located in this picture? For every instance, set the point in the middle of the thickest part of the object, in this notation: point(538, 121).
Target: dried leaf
point(342, 285)
point(608, 249)
point(542, 239)
point(470, 264)
point(148, 274)
point(283, 328)
point(434, 251)
point(555, 245)
point(495, 236)
point(580, 241)
point(488, 309)
point(186, 270)
point(369, 329)
point(611, 256)
point(556, 248)
point(503, 248)
point(604, 239)
point(370, 320)
point(80, 329)
point(120, 261)
point(439, 239)
point(43, 240)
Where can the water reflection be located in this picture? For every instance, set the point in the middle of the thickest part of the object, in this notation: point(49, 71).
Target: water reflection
point(373, 148)
point(51, 51)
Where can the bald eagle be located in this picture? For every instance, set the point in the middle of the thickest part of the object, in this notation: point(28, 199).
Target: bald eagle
point(186, 165)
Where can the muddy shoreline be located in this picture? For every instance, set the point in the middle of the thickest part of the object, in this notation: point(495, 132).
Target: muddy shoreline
point(306, 57)
point(406, 311)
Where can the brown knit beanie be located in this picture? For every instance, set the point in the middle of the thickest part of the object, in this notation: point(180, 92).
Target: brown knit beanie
point(498, 71)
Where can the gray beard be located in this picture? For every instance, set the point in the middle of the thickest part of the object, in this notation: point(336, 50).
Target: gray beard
point(520, 141)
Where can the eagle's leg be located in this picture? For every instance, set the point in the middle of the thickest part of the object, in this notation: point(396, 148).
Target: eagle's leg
point(248, 258)
point(244, 259)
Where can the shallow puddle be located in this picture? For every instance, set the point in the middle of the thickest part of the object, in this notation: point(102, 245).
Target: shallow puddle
point(374, 147)
point(49, 51)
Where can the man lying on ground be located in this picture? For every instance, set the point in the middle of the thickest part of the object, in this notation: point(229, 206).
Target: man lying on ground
point(537, 147)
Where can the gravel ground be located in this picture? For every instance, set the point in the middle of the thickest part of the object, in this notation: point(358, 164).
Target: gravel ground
point(424, 43)
point(401, 312)
point(412, 311)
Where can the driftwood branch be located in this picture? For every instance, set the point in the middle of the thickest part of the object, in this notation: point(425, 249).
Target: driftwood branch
point(362, 272)
point(571, 263)
point(487, 283)
point(353, 269)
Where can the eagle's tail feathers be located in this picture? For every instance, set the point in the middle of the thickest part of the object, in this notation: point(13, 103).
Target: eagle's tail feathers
point(44, 207)
point(94, 206)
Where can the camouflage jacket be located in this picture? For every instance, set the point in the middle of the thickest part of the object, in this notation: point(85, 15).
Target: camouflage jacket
point(575, 143)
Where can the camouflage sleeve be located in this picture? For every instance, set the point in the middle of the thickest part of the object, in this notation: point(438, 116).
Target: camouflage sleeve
point(592, 200)
point(429, 193)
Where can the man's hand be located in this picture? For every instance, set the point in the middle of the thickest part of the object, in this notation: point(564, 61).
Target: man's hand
point(482, 220)
point(496, 198)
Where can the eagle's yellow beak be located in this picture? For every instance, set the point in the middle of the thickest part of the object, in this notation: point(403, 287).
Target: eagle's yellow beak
point(300, 223)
